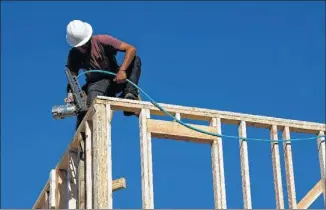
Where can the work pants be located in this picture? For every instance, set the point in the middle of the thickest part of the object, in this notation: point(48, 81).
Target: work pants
point(107, 87)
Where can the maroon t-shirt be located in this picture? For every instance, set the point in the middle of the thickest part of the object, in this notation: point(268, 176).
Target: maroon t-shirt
point(100, 56)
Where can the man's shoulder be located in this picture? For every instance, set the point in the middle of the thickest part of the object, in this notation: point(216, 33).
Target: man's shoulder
point(107, 39)
point(103, 38)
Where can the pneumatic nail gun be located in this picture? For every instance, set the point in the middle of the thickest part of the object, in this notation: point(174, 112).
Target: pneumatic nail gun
point(71, 108)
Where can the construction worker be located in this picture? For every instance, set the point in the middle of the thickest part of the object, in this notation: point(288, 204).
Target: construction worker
point(98, 52)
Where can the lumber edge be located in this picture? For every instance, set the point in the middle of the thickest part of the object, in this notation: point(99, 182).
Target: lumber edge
point(41, 197)
point(73, 146)
point(117, 184)
point(63, 162)
point(227, 117)
point(312, 195)
point(188, 113)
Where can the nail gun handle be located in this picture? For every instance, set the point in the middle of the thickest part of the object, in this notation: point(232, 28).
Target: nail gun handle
point(78, 99)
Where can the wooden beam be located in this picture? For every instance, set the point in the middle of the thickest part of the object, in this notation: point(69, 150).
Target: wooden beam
point(102, 162)
point(321, 154)
point(146, 161)
point(57, 190)
point(64, 160)
point(53, 189)
point(81, 176)
point(245, 173)
point(175, 131)
point(88, 164)
point(290, 182)
point(74, 143)
point(61, 189)
point(206, 114)
point(72, 180)
point(216, 168)
point(117, 184)
point(46, 201)
point(221, 164)
point(190, 113)
point(312, 195)
point(278, 188)
point(108, 154)
point(43, 196)
point(43, 203)
point(150, 165)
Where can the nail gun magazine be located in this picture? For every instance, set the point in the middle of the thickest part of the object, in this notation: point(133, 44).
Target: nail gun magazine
point(71, 109)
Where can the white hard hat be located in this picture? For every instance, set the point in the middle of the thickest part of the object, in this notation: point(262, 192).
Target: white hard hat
point(78, 33)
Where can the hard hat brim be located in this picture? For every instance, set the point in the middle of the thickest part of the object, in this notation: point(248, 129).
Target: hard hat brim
point(89, 35)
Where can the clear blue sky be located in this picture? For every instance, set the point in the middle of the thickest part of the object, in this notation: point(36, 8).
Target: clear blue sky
point(258, 58)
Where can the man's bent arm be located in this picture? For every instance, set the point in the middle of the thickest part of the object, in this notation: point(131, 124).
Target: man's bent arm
point(130, 52)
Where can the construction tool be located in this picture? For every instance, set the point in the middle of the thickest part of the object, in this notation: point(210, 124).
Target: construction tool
point(71, 108)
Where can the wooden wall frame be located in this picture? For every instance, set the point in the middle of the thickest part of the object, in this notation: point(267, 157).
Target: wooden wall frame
point(87, 184)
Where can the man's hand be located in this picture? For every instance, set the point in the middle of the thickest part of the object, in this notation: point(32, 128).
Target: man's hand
point(69, 99)
point(121, 77)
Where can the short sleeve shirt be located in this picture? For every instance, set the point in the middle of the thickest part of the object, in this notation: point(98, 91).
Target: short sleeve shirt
point(101, 55)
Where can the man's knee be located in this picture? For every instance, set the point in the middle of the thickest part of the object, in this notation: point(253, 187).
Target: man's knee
point(134, 71)
point(137, 65)
point(98, 88)
point(91, 97)
point(137, 61)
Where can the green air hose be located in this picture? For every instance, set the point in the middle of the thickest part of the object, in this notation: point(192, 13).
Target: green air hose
point(196, 129)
